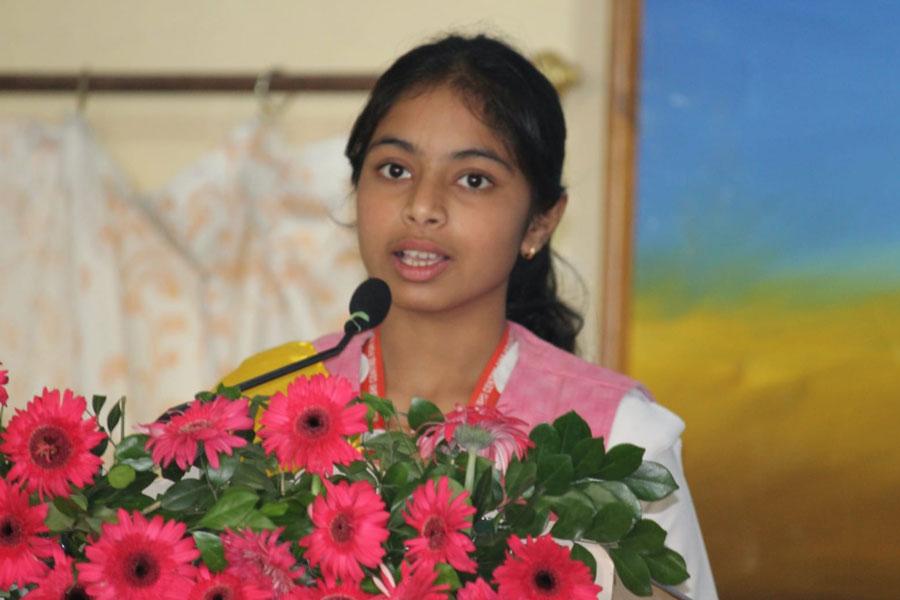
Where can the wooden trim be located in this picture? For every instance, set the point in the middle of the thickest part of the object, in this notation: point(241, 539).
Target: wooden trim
point(181, 82)
point(621, 165)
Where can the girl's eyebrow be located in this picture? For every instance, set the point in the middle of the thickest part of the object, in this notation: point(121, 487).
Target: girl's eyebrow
point(459, 154)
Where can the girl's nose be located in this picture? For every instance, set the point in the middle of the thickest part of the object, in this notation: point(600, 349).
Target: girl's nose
point(425, 206)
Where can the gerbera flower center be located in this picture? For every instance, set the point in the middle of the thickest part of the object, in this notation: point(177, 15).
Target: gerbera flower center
point(313, 422)
point(219, 592)
point(194, 426)
point(49, 447)
point(435, 532)
point(10, 531)
point(141, 569)
point(545, 580)
point(341, 528)
point(336, 597)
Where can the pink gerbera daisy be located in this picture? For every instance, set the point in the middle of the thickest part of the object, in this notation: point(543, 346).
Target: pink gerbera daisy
point(477, 590)
point(225, 586)
point(307, 427)
point(50, 444)
point(350, 525)
point(439, 518)
point(323, 591)
point(4, 379)
point(59, 583)
point(139, 560)
point(479, 429)
point(416, 583)
point(212, 423)
point(259, 557)
point(21, 547)
point(542, 569)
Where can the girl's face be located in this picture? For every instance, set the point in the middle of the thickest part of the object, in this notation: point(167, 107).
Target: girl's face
point(441, 206)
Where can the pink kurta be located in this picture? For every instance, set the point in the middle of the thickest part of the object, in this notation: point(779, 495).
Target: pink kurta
point(545, 382)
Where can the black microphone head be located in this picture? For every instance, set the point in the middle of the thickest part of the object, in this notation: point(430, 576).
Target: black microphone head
point(369, 305)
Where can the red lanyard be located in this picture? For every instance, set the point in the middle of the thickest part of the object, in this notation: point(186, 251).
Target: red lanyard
point(485, 392)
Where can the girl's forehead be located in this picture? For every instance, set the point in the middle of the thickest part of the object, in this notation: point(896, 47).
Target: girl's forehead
point(439, 119)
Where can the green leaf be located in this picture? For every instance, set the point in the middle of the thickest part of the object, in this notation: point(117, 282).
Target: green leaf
point(115, 414)
point(121, 476)
point(382, 406)
point(97, 403)
point(632, 570)
point(56, 520)
point(246, 475)
point(519, 478)
point(222, 475)
point(100, 448)
point(588, 456)
point(256, 521)
point(211, 550)
point(651, 481)
point(172, 472)
point(186, 495)
point(621, 461)
point(574, 514)
point(230, 510)
point(488, 492)
point(584, 555)
point(546, 440)
point(131, 452)
point(520, 518)
point(667, 567)
point(610, 523)
point(571, 429)
point(205, 396)
point(422, 412)
point(447, 575)
point(67, 507)
point(646, 537)
point(275, 509)
point(606, 492)
point(555, 472)
point(79, 500)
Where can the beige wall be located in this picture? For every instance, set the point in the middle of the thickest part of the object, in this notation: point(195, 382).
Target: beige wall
point(153, 137)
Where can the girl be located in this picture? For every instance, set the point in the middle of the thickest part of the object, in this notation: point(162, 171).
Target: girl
point(457, 161)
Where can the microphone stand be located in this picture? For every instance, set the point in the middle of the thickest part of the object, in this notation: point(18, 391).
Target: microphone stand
point(300, 364)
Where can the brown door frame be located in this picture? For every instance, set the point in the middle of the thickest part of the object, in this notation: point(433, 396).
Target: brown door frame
point(621, 167)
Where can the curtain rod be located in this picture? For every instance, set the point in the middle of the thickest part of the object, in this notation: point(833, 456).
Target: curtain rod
point(180, 83)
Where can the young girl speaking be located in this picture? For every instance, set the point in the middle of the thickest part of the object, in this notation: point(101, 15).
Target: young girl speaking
point(457, 163)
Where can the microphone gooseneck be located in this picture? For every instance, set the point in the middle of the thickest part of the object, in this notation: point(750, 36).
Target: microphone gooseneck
point(369, 305)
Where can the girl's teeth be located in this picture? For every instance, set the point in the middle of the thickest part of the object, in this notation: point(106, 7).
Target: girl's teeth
point(418, 258)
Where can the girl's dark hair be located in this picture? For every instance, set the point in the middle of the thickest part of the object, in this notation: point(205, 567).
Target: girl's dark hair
point(523, 108)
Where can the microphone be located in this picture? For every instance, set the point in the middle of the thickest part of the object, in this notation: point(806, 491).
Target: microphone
point(369, 306)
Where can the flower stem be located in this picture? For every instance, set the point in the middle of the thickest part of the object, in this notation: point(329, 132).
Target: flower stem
point(151, 508)
point(470, 471)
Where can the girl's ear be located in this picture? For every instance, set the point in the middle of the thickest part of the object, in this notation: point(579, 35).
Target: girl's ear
point(541, 228)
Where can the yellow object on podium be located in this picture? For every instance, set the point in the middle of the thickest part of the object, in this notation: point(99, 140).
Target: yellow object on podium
point(271, 359)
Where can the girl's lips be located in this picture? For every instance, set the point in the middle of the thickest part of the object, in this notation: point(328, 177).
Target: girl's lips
point(419, 261)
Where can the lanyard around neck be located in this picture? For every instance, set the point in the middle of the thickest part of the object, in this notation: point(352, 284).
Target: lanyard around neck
point(486, 392)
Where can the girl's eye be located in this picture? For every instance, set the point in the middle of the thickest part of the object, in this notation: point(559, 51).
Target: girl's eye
point(394, 171)
point(475, 181)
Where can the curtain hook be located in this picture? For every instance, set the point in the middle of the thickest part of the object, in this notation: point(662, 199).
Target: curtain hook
point(83, 90)
point(262, 89)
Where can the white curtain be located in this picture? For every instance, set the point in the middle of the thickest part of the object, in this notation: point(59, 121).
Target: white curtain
point(155, 296)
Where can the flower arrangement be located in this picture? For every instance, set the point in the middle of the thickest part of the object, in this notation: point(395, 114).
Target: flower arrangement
point(316, 493)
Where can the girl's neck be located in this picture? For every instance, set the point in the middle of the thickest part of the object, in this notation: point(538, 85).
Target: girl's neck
point(437, 356)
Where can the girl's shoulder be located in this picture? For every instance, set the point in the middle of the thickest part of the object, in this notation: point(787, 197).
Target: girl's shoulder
point(539, 357)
